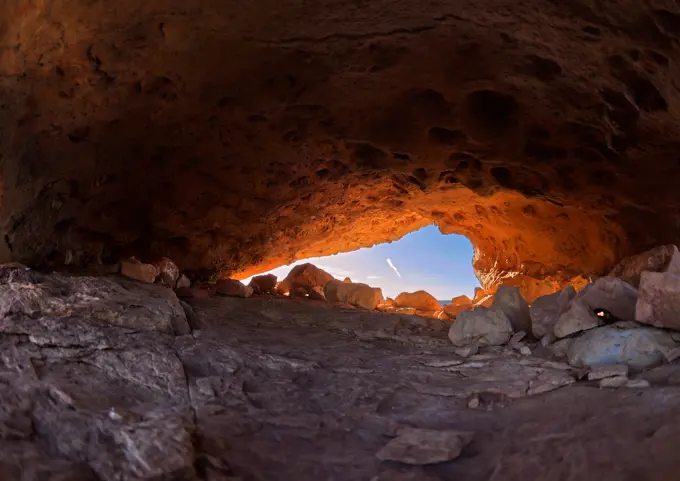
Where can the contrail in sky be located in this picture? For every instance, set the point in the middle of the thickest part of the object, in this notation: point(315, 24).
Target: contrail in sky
point(389, 261)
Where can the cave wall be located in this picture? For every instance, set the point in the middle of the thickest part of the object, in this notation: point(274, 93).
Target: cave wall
point(236, 137)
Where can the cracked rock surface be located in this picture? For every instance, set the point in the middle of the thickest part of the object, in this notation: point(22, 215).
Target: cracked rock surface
point(277, 389)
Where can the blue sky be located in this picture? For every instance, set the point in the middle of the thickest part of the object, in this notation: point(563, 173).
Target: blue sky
point(425, 259)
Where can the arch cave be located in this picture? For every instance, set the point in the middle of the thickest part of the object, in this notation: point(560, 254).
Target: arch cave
point(236, 137)
point(235, 141)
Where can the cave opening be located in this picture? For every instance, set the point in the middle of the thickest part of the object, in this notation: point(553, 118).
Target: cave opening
point(425, 259)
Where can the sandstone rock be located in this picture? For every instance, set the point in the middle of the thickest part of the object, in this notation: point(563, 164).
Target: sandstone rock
point(461, 301)
point(578, 317)
point(546, 310)
point(424, 446)
point(665, 258)
point(658, 302)
point(299, 293)
point(111, 300)
point(306, 276)
point(13, 265)
point(479, 295)
point(355, 294)
point(614, 382)
point(510, 301)
point(637, 383)
point(611, 294)
point(233, 288)
point(481, 326)
point(168, 272)
point(389, 302)
point(466, 351)
point(517, 338)
point(411, 311)
point(485, 301)
point(548, 339)
point(458, 305)
point(420, 300)
point(561, 348)
point(134, 269)
point(183, 282)
point(637, 348)
point(317, 294)
point(264, 284)
point(602, 371)
point(672, 355)
point(453, 311)
point(347, 280)
point(197, 292)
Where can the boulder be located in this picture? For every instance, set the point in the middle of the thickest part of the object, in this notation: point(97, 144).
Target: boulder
point(389, 302)
point(663, 258)
point(509, 300)
point(355, 294)
point(168, 272)
point(264, 284)
point(420, 300)
point(578, 317)
point(611, 294)
point(453, 310)
point(482, 326)
point(347, 280)
point(638, 348)
point(233, 288)
point(138, 271)
point(183, 281)
point(458, 305)
point(461, 301)
point(658, 302)
point(304, 275)
point(546, 310)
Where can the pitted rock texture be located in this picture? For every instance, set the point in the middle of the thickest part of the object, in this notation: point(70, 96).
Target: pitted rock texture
point(240, 138)
point(269, 389)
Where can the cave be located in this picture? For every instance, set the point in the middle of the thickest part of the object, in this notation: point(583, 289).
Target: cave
point(237, 137)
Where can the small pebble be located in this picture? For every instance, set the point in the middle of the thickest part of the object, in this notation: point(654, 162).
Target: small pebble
point(474, 403)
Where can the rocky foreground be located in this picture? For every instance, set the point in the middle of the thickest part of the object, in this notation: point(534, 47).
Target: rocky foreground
point(107, 378)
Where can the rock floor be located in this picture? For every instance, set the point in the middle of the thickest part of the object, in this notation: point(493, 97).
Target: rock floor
point(279, 389)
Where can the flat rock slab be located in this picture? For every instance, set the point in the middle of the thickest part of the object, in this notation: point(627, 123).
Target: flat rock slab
point(425, 446)
point(274, 389)
point(112, 300)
